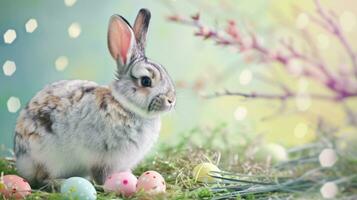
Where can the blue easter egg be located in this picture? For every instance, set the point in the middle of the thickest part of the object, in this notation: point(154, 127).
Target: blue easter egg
point(78, 188)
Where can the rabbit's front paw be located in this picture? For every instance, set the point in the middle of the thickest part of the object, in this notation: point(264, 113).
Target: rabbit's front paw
point(100, 173)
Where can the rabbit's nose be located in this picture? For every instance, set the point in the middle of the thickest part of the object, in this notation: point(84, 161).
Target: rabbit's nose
point(170, 101)
point(170, 98)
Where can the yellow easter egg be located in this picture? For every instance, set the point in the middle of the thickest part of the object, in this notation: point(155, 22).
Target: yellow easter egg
point(201, 172)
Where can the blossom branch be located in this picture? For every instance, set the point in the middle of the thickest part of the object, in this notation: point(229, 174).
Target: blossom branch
point(311, 67)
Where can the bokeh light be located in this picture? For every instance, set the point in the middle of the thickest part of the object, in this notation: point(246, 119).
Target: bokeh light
point(303, 99)
point(323, 41)
point(61, 63)
point(31, 25)
point(13, 104)
point(9, 68)
point(74, 30)
point(327, 157)
point(301, 129)
point(303, 85)
point(302, 21)
point(348, 21)
point(329, 190)
point(240, 113)
point(9, 36)
point(303, 102)
point(295, 67)
point(69, 3)
point(245, 77)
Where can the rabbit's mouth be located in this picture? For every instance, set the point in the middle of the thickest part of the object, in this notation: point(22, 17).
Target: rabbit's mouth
point(155, 105)
point(158, 104)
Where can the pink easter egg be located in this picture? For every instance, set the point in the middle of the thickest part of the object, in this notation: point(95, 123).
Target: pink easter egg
point(15, 187)
point(151, 182)
point(121, 183)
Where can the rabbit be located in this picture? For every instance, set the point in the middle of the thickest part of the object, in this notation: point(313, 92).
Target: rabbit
point(79, 128)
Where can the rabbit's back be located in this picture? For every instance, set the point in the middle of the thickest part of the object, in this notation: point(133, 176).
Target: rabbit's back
point(72, 126)
point(52, 106)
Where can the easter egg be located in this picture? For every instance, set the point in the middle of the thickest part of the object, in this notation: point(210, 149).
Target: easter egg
point(14, 187)
point(275, 152)
point(78, 188)
point(151, 182)
point(121, 183)
point(201, 172)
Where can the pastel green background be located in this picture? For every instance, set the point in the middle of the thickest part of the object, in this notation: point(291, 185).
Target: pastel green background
point(188, 59)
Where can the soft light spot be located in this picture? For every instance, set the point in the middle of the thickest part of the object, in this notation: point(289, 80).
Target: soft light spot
point(9, 68)
point(302, 21)
point(74, 30)
point(300, 130)
point(279, 152)
point(61, 63)
point(303, 99)
point(261, 40)
point(9, 36)
point(329, 190)
point(31, 25)
point(342, 145)
point(247, 40)
point(303, 85)
point(347, 21)
point(245, 77)
point(323, 41)
point(327, 157)
point(240, 113)
point(69, 3)
point(295, 67)
point(13, 104)
point(303, 102)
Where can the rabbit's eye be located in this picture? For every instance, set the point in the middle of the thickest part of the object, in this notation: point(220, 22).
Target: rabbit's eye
point(145, 81)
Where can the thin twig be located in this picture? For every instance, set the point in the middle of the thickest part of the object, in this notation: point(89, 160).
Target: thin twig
point(334, 28)
point(284, 96)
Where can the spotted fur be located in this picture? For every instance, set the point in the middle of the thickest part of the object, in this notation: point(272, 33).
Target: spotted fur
point(79, 128)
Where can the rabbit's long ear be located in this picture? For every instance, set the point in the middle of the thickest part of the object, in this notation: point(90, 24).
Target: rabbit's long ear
point(121, 40)
point(141, 26)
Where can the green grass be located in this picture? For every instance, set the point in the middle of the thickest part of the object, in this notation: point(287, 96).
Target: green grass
point(176, 169)
point(176, 162)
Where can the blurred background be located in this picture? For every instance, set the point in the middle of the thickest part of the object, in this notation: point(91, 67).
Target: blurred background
point(46, 41)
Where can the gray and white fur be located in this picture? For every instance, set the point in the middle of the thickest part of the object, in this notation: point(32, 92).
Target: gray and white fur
point(79, 128)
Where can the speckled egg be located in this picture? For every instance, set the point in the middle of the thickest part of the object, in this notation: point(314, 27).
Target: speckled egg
point(201, 172)
point(121, 183)
point(78, 188)
point(14, 187)
point(151, 182)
